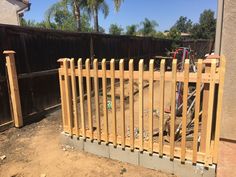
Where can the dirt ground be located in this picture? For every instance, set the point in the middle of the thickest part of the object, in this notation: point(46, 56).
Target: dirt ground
point(35, 151)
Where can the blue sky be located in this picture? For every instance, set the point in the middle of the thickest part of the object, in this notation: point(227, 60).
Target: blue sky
point(165, 12)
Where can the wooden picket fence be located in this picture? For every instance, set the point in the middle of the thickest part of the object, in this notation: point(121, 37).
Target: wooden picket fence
point(85, 111)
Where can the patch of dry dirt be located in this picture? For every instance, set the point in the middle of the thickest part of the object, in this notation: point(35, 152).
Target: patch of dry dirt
point(34, 151)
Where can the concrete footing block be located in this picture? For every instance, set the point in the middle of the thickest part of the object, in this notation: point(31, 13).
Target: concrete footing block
point(76, 143)
point(155, 162)
point(100, 149)
point(188, 169)
point(210, 172)
point(139, 158)
point(124, 155)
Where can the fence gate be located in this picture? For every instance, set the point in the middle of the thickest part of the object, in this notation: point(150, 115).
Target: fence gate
point(105, 102)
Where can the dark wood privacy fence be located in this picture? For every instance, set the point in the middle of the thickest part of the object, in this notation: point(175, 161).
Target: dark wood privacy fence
point(37, 51)
point(99, 115)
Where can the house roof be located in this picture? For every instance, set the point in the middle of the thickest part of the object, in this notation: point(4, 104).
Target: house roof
point(24, 1)
point(27, 6)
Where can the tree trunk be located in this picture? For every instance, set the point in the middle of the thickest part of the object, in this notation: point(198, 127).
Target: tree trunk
point(95, 18)
point(77, 15)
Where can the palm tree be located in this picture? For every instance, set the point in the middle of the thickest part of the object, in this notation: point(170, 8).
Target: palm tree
point(148, 27)
point(93, 7)
point(77, 6)
point(51, 12)
point(117, 4)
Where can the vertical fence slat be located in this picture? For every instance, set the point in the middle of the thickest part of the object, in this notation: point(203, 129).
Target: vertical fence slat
point(197, 109)
point(150, 105)
point(161, 118)
point(219, 108)
point(184, 111)
point(122, 105)
point(131, 103)
point(89, 107)
point(74, 96)
point(210, 112)
point(204, 112)
point(141, 105)
point(62, 92)
point(113, 101)
point(104, 90)
point(173, 108)
point(81, 95)
point(96, 99)
point(68, 96)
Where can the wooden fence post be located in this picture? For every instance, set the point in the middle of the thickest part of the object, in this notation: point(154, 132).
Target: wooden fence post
point(219, 108)
point(14, 88)
point(208, 156)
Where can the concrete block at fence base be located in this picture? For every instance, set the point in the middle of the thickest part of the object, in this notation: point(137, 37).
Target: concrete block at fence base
point(210, 172)
point(188, 169)
point(100, 149)
point(155, 162)
point(72, 141)
point(124, 155)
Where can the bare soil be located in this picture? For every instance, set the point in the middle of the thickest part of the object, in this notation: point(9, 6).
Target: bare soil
point(35, 151)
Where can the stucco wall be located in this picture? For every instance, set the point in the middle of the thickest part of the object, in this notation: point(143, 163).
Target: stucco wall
point(228, 48)
point(8, 13)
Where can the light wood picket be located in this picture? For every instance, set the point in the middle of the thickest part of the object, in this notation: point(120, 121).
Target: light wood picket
point(131, 103)
point(122, 104)
point(184, 112)
point(150, 106)
point(73, 113)
point(96, 99)
point(173, 110)
point(141, 105)
point(161, 117)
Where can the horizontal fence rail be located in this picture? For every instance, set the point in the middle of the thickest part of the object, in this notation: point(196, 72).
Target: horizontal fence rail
point(100, 102)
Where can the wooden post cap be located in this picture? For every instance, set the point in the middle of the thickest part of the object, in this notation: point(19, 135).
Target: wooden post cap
point(213, 57)
point(9, 52)
point(62, 59)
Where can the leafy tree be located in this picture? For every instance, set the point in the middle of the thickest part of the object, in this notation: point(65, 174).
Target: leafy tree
point(206, 27)
point(115, 29)
point(101, 30)
point(24, 22)
point(56, 11)
point(174, 34)
point(85, 23)
point(32, 23)
point(160, 35)
point(67, 14)
point(183, 25)
point(148, 27)
point(64, 14)
point(131, 30)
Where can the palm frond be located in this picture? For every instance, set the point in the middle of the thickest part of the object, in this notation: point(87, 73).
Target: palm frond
point(117, 4)
point(103, 6)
